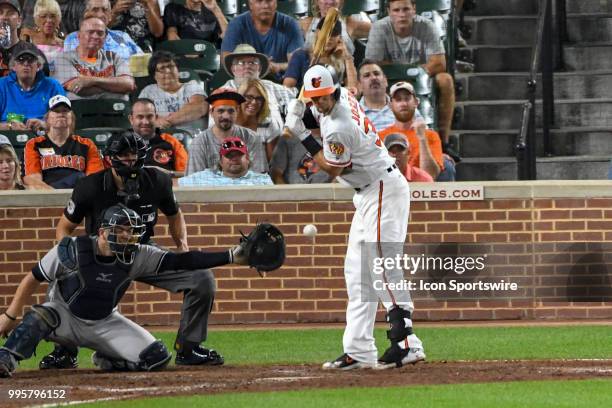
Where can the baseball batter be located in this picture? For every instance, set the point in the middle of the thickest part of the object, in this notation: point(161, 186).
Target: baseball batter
point(88, 277)
point(353, 152)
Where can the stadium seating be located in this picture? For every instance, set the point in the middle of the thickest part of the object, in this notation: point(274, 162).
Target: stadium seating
point(198, 55)
point(357, 6)
point(99, 135)
point(18, 139)
point(295, 8)
point(97, 113)
point(181, 135)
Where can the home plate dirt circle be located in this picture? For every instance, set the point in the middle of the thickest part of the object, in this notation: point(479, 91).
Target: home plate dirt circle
point(92, 385)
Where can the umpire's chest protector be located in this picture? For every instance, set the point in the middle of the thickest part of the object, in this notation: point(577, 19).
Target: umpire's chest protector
point(93, 292)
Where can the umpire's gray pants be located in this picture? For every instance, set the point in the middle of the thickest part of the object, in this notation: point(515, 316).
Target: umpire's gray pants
point(115, 336)
point(198, 287)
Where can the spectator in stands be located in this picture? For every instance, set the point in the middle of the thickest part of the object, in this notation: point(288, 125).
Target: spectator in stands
point(244, 64)
point(204, 150)
point(59, 158)
point(334, 54)
point(233, 168)
point(254, 114)
point(292, 164)
point(271, 33)
point(375, 102)
point(116, 41)
point(10, 168)
point(425, 146)
point(46, 31)
point(10, 44)
point(25, 93)
point(403, 37)
point(352, 28)
point(90, 72)
point(140, 19)
point(178, 105)
point(399, 149)
point(196, 20)
point(165, 152)
point(70, 10)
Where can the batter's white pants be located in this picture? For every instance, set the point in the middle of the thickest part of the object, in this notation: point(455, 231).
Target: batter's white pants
point(381, 216)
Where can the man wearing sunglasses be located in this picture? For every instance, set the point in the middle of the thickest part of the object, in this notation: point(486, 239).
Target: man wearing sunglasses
point(204, 150)
point(233, 169)
point(25, 93)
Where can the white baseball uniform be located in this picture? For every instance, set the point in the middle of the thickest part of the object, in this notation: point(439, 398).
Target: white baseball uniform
point(379, 225)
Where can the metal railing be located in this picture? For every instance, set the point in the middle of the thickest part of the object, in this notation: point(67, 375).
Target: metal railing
point(547, 55)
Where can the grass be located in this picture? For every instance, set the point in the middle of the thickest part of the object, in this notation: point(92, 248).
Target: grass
point(533, 394)
point(456, 343)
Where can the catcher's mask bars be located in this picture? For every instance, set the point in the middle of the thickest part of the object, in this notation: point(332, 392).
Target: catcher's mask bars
point(127, 153)
point(126, 230)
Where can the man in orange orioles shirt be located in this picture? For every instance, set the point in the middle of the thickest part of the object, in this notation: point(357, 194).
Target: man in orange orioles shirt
point(425, 144)
point(165, 153)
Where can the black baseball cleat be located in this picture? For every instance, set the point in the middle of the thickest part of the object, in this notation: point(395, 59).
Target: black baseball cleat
point(395, 356)
point(60, 358)
point(199, 356)
point(7, 364)
point(345, 362)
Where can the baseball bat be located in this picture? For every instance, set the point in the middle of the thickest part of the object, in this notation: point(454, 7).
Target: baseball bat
point(333, 14)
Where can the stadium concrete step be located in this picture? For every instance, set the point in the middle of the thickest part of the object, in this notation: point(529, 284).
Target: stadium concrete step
point(507, 114)
point(499, 58)
point(513, 85)
point(565, 142)
point(587, 56)
point(502, 30)
point(589, 27)
point(588, 6)
point(503, 7)
point(548, 168)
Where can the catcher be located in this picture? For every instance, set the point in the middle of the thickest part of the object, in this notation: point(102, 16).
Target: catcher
point(89, 276)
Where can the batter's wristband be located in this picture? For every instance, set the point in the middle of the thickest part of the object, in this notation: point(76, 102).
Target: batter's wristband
point(10, 317)
point(311, 144)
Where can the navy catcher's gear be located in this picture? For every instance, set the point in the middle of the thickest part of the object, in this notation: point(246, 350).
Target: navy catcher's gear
point(123, 243)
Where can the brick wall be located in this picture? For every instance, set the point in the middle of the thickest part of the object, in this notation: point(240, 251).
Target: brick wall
point(556, 248)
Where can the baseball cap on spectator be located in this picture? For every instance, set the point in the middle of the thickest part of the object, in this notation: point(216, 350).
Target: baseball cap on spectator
point(401, 85)
point(58, 100)
point(225, 96)
point(232, 144)
point(25, 51)
point(14, 3)
point(246, 50)
point(4, 141)
point(396, 139)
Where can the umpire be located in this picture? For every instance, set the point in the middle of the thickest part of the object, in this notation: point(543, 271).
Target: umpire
point(145, 190)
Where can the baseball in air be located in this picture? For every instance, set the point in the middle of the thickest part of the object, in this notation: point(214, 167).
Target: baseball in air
point(310, 230)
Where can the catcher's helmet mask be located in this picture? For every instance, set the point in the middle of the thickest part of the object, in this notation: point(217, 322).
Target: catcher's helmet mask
point(127, 142)
point(123, 245)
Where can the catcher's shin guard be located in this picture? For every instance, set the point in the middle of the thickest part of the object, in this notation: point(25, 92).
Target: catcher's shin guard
point(37, 324)
point(399, 328)
point(154, 357)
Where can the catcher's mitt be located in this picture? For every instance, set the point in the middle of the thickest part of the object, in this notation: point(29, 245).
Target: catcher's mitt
point(264, 248)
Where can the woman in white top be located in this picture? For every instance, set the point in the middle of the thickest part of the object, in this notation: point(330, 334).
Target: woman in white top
point(352, 28)
point(254, 114)
point(178, 105)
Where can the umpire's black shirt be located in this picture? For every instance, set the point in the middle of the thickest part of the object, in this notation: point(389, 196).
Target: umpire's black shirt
point(96, 192)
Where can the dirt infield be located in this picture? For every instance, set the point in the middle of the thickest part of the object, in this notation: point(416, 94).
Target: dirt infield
point(90, 385)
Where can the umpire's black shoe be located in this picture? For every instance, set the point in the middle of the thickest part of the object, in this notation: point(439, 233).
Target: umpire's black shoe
point(199, 356)
point(61, 357)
